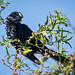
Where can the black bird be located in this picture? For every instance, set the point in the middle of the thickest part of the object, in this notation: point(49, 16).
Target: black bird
point(16, 30)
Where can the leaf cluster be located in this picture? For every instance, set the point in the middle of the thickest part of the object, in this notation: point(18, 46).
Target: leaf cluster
point(3, 5)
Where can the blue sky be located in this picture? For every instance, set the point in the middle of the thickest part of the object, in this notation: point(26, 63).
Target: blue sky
point(35, 12)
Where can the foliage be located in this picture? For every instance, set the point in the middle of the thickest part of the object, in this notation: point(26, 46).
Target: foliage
point(51, 32)
point(3, 5)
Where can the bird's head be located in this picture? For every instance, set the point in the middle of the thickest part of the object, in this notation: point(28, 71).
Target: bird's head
point(14, 17)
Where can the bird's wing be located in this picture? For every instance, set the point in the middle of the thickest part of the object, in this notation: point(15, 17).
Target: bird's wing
point(28, 32)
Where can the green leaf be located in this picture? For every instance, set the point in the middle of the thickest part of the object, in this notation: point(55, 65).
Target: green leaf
point(18, 66)
point(5, 56)
point(44, 41)
point(27, 51)
point(26, 44)
point(69, 38)
point(53, 66)
point(19, 60)
point(67, 35)
point(40, 73)
point(39, 25)
point(8, 41)
point(66, 31)
point(46, 21)
point(61, 33)
point(3, 39)
point(56, 11)
point(61, 18)
point(47, 39)
point(53, 27)
point(2, 44)
point(56, 38)
point(66, 24)
point(44, 59)
point(68, 43)
point(7, 51)
point(45, 33)
point(58, 46)
point(6, 3)
point(49, 26)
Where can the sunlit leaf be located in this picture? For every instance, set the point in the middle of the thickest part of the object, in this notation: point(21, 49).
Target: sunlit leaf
point(61, 18)
point(6, 3)
point(27, 51)
point(18, 66)
point(44, 41)
point(53, 66)
point(44, 33)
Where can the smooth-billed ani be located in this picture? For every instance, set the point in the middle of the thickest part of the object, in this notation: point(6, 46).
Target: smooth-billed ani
point(16, 30)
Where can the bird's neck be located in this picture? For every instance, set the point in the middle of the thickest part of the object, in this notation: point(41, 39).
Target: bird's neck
point(8, 23)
